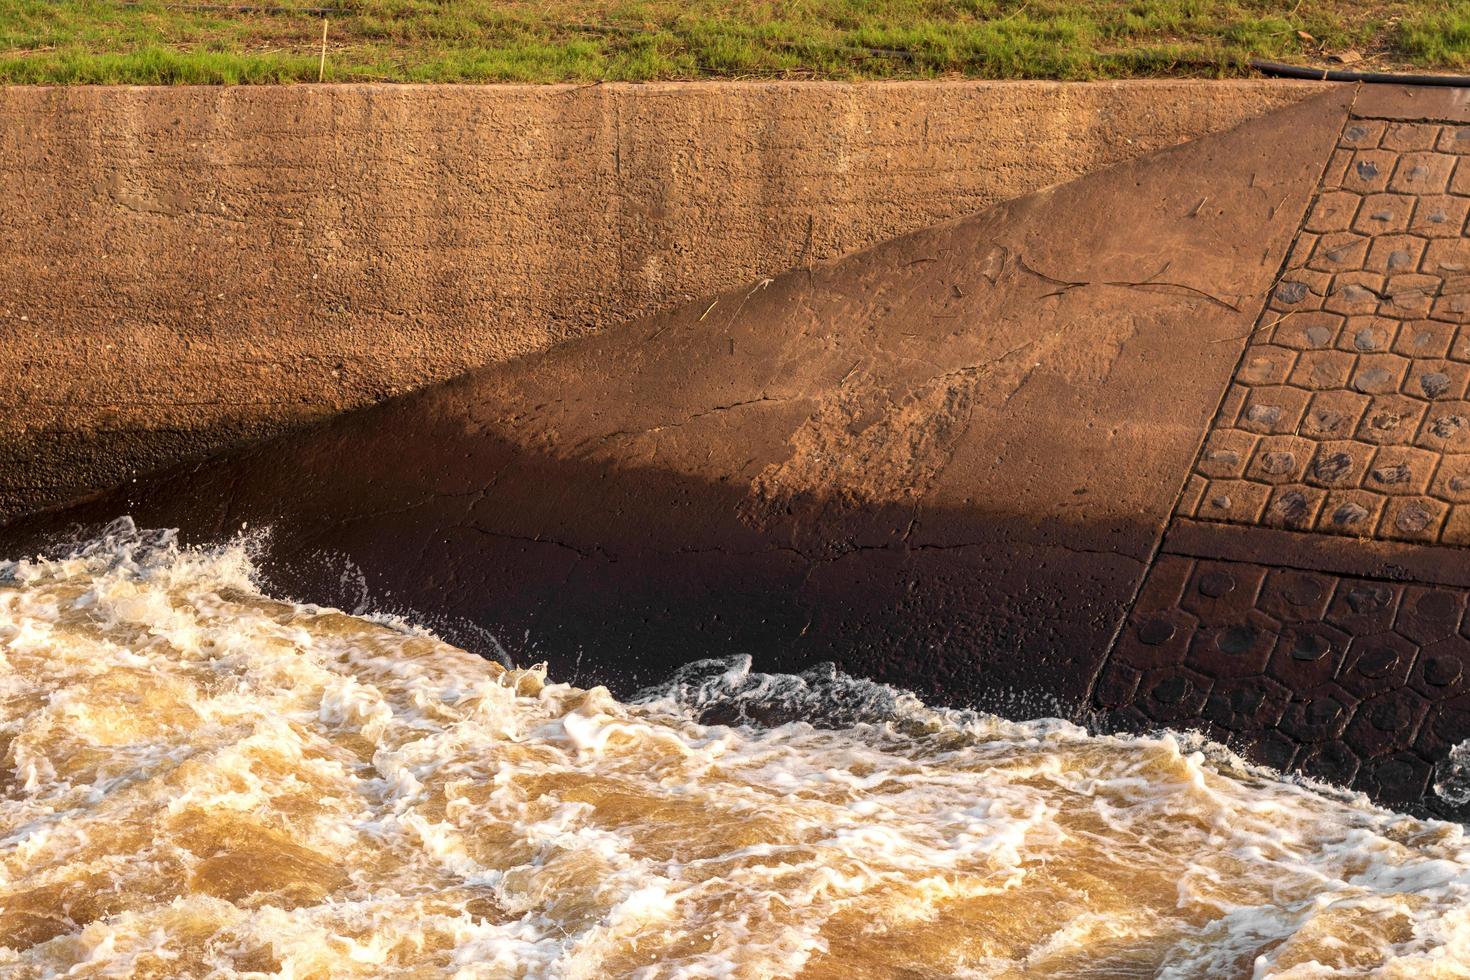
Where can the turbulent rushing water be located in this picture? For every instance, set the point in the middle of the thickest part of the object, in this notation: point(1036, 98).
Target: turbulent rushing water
point(199, 780)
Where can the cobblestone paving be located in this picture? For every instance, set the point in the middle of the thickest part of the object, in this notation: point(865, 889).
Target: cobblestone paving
point(1349, 415)
point(1350, 412)
point(1356, 682)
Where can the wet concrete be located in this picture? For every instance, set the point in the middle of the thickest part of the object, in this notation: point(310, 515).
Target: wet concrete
point(953, 452)
point(1058, 457)
point(1308, 605)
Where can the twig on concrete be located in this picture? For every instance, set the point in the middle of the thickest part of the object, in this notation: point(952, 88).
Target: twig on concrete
point(1021, 261)
point(1170, 286)
point(321, 72)
point(1256, 329)
point(808, 248)
point(1067, 285)
point(753, 290)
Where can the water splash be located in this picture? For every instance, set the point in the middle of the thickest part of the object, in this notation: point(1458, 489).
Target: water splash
point(1452, 776)
point(198, 780)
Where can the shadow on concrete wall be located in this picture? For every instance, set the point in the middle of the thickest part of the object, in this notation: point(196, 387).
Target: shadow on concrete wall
point(620, 575)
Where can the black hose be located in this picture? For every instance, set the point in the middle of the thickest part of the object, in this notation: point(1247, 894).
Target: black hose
point(1279, 70)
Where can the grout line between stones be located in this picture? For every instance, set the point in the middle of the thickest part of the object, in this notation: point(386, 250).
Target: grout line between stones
point(1171, 515)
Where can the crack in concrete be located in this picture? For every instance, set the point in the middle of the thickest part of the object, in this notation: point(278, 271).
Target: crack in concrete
point(1150, 284)
point(717, 409)
point(713, 410)
point(596, 551)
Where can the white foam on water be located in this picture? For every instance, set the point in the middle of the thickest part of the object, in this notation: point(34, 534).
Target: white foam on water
point(1452, 776)
point(198, 780)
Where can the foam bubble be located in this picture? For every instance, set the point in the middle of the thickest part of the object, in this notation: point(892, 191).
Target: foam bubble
point(199, 780)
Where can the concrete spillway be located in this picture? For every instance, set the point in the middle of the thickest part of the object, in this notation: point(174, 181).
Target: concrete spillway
point(1177, 443)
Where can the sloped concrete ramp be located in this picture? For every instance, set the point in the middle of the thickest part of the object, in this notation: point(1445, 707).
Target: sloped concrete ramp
point(1175, 443)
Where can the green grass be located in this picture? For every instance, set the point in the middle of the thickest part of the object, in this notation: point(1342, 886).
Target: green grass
point(156, 42)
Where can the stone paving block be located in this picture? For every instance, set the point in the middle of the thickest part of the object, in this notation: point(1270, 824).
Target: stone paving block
point(1300, 291)
point(1334, 414)
point(1383, 214)
point(1377, 662)
point(1336, 211)
point(1301, 250)
point(1274, 409)
point(1248, 704)
point(1363, 133)
point(1409, 295)
point(1401, 471)
point(1280, 459)
point(1391, 420)
point(1393, 254)
point(1117, 685)
point(1321, 370)
point(1454, 139)
point(1156, 639)
point(1173, 694)
point(1457, 526)
point(1422, 173)
point(1413, 519)
point(1222, 593)
point(1240, 501)
point(1355, 512)
point(1354, 293)
point(1439, 216)
point(1339, 464)
point(1448, 258)
point(1368, 334)
point(1294, 507)
point(1428, 613)
point(1266, 365)
point(1379, 374)
point(1231, 405)
point(1369, 171)
point(1194, 490)
point(1407, 136)
point(1236, 646)
point(1437, 380)
point(1337, 168)
point(1386, 723)
point(1341, 251)
point(1460, 181)
point(1453, 307)
point(1307, 656)
point(1363, 607)
point(1226, 453)
point(1446, 427)
point(1399, 779)
point(1293, 595)
point(1332, 762)
point(1439, 672)
point(1452, 479)
point(1308, 330)
point(1424, 339)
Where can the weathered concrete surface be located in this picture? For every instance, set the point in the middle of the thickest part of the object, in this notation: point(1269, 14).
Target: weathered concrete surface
point(1350, 413)
point(1309, 604)
point(946, 461)
point(185, 269)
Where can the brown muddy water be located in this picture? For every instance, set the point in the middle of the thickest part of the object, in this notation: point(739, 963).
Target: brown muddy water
point(202, 781)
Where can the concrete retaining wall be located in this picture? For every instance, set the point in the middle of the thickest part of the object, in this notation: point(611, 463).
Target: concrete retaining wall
point(183, 269)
